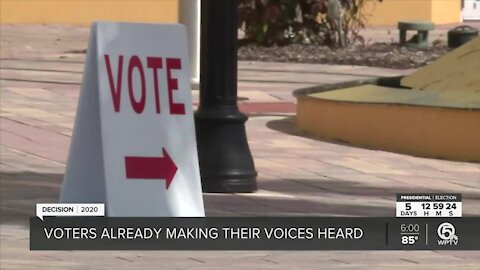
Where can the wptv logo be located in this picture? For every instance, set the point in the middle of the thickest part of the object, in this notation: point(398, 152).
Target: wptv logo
point(446, 233)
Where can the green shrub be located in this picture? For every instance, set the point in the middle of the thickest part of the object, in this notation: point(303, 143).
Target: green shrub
point(281, 22)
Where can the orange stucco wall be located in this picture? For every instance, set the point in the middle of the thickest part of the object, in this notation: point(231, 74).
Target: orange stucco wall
point(83, 12)
point(389, 12)
point(446, 11)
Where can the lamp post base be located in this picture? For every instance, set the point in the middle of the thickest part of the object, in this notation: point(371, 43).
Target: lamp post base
point(226, 164)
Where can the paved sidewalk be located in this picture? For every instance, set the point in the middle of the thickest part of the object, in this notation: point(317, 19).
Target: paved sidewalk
point(40, 74)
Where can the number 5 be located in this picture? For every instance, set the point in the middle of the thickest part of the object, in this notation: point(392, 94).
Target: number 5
point(408, 206)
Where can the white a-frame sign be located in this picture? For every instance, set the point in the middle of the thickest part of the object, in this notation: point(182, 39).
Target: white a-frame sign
point(133, 146)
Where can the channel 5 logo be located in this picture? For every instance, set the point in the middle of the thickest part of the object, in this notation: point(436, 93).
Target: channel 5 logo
point(446, 233)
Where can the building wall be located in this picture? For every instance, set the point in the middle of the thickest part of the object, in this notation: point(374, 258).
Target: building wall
point(390, 12)
point(83, 12)
point(446, 11)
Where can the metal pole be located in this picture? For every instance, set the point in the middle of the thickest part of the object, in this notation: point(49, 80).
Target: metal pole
point(189, 15)
point(226, 164)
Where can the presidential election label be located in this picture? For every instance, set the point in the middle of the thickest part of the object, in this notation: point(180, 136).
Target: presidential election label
point(438, 205)
point(133, 147)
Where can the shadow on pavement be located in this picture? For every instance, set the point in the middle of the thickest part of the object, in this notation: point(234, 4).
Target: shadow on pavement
point(287, 125)
point(20, 191)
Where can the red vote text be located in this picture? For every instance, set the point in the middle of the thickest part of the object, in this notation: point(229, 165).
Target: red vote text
point(136, 68)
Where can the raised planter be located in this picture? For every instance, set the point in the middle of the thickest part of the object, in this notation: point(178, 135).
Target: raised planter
point(418, 122)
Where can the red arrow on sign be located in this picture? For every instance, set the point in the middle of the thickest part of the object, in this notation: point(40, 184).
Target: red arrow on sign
point(151, 168)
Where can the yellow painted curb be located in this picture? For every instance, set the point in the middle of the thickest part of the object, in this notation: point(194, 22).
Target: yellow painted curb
point(435, 132)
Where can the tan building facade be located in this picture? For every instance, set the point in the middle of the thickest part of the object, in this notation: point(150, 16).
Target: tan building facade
point(390, 12)
point(83, 12)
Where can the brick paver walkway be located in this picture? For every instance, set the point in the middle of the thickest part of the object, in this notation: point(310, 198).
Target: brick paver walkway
point(298, 174)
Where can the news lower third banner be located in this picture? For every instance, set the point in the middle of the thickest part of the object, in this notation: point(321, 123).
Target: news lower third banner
point(254, 233)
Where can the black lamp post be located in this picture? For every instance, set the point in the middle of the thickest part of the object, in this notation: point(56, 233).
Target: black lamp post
point(226, 164)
